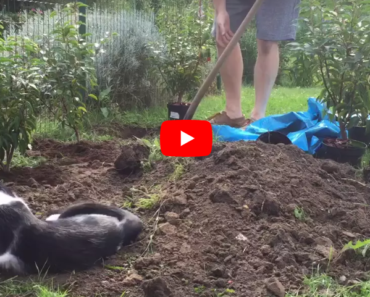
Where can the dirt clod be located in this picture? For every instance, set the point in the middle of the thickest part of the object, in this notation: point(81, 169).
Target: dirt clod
point(167, 229)
point(129, 161)
point(156, 287)
point(172, 218)
point(275, 287)
point(132, 280)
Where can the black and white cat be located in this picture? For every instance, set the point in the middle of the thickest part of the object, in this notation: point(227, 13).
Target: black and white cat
point(75, 239)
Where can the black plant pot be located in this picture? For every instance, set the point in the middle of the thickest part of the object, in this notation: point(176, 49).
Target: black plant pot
point(177, 111)
point(351, 154)
point(274, 137)
point(359, 134)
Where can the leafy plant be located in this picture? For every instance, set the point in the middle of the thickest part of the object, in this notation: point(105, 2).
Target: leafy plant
point(180, 59)
point(360, 246)
point(337, 41)
point(19, 96)
point(155, 153)
point(69, 67)
point(299, 213)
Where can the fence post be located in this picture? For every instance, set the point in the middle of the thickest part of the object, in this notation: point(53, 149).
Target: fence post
point(82, 32)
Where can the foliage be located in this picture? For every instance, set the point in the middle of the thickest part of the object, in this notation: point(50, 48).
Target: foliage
point(299, 213)
point(155, 153)
point(69, 66)
point(180, 59)
point(126, 68)
point(360, 246)
point(248, 46)
point(19, 96)
point(337, 39)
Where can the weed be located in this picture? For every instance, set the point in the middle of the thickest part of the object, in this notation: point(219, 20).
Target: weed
point(155, 153)
point(178, 172)
point(20, 160)
point(360, 246)
point(300, 214)
point(12, 287)
point(146, 198)
point(199, 290)
point(225, 293)
point(325, 286)
point(114, 268)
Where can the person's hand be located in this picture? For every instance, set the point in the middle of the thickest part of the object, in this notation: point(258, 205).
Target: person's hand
point(223, 31)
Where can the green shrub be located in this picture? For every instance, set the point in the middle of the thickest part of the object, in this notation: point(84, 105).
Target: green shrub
point(19, 95)
point(181, 58)
point(337, 41)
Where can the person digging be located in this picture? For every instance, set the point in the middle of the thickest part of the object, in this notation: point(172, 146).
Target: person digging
point(276, 21)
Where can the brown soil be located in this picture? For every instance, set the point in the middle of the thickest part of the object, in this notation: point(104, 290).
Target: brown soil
point(227, 223)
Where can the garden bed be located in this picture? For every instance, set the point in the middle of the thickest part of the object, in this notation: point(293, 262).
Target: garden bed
point(250, 217)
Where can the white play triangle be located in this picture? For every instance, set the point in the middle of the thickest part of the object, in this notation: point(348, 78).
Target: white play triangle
point(185, 138)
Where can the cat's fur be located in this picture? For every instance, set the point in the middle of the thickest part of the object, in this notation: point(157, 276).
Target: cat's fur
point(73, 240)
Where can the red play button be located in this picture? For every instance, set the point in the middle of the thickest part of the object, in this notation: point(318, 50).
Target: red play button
point(186, 138)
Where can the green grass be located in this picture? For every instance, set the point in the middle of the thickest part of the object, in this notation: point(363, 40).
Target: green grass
point(282, 100)
point(324, 286)
point(28, 289)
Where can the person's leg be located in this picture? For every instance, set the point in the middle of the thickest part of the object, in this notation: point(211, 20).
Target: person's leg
point(265, 73)
point(231, 74)
point(276, 21)
point(232, 70)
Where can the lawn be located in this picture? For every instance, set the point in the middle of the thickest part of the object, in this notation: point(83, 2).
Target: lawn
point(282, 100)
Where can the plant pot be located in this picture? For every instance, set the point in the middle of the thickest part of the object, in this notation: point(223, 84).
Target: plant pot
point(350, 153)
point(177, 111)
point(274, 137)
point(359, 134)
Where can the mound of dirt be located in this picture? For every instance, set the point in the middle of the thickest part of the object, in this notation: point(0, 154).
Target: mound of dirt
point(256, 218)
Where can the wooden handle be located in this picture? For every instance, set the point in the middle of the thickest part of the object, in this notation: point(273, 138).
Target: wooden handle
point(212, 75)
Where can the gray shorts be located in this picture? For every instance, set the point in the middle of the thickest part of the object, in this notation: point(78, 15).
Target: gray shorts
point(276, 20)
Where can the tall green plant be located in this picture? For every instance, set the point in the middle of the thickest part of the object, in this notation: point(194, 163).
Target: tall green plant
point(186, 38)
point(338, 38)
point(19, 96)
point(69, 67)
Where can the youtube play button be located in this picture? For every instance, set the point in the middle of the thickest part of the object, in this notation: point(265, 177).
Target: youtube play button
point(186, 138)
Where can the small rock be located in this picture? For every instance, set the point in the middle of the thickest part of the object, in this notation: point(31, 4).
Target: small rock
point(156, 287)
point(218, 271)
point(132, 280)
point(191, 185)
point(342, 279)
point(275, 287)
point(265, 250)
point(172, 218)
point(145, 262)
point(330, 167)
point(221, 283)
point(221, 196)
point(179, 200)
point(167, 229)
point(33, 183)
point(104, 283)
point(185, 213)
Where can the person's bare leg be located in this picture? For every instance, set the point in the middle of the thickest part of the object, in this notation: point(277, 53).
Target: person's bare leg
point(232, 75)
point(265, 73)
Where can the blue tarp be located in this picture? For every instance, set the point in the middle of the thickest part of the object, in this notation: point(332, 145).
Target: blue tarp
point(305, 129)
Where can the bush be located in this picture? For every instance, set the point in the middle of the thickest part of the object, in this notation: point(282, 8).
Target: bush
point(338, 43)
point(19, 95)
point(52, 73)
point(125, 68)
point(183, 55)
